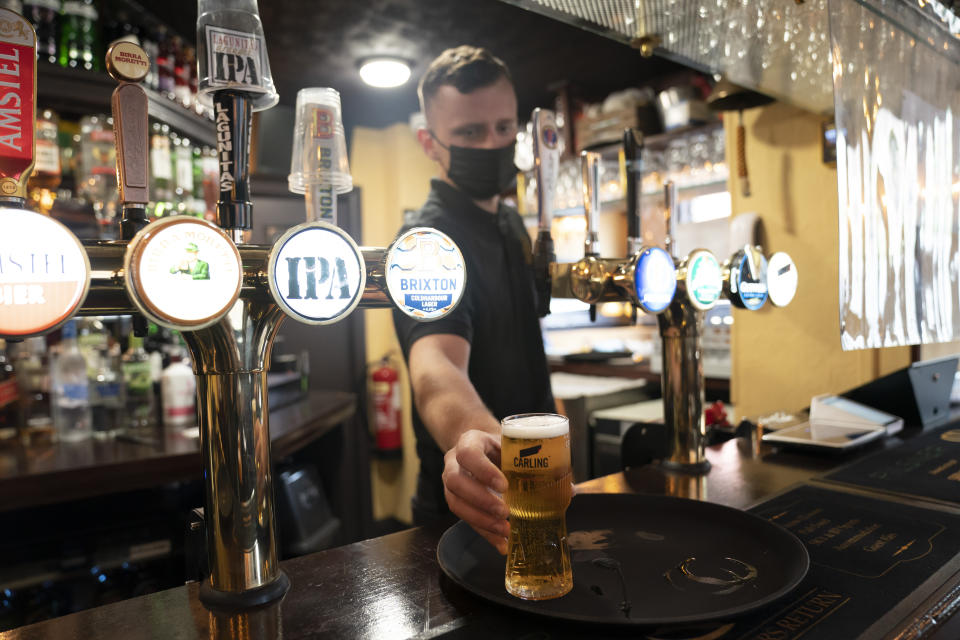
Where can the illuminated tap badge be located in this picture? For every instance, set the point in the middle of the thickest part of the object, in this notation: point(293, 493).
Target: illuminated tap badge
point(782, 279)
point(654, 280)
point(44, 274)
point(317, 274)
point(748, 279)
point(426, 274)
point(704, 279)
point(183, 273)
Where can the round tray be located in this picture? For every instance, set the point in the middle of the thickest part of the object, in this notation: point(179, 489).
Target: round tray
point(646, 560)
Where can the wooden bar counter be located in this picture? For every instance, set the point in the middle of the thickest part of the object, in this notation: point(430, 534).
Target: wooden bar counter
point(392, 587)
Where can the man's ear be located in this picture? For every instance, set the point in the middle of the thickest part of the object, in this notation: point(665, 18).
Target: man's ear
point(427, 143)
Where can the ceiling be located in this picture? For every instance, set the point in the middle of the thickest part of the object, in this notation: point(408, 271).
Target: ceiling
point(315, 43)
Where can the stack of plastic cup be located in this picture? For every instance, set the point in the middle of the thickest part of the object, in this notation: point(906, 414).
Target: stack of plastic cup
point(319, 167)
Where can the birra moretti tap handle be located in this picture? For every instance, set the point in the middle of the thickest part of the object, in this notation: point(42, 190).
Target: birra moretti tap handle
point(44, 271)
point(128, 64)
point(235, 78)
point(546, 155)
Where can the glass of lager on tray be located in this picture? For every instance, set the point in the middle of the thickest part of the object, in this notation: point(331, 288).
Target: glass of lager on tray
point(535, 458)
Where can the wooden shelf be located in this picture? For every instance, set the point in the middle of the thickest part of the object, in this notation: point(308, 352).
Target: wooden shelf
point(80, 92)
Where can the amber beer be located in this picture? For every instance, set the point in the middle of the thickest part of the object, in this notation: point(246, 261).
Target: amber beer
point(535, 458)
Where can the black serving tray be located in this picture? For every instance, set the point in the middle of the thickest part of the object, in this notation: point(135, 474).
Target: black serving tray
point(627, 552)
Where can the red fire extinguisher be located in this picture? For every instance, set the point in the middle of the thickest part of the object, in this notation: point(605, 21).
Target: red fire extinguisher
point(386, 406)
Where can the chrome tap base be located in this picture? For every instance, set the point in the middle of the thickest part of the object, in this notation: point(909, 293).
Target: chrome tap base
point(682, 384)
point(229, 601)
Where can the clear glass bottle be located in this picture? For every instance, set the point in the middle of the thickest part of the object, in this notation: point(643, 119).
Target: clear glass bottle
point(72, 417)
point(138, 375)
point(33, 367)
point(97, 182)
point(108, 395)
point(183, 169)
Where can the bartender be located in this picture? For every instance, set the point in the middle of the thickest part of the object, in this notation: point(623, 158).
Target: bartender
point(485, 360)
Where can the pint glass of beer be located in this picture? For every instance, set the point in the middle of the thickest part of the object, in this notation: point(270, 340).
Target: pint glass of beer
point(535, 458)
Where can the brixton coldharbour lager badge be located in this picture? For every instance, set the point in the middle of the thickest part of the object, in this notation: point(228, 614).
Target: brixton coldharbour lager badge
point(316, 273)
point(425, 274)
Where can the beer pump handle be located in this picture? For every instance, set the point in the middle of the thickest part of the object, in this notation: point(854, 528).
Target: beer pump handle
point(18, 50)
point(669, 204)
point(590, 174)
point(546, 154)
point(632, 171)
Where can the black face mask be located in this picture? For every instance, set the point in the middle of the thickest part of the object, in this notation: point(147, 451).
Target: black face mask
point(481, 173)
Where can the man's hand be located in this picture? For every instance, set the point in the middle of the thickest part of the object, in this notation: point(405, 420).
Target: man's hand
point(474, 486)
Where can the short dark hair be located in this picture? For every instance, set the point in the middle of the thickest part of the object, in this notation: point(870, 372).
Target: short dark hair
point(465, 68)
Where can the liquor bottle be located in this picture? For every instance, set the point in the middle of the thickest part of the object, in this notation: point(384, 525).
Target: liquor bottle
point(9, 393)
point(152, 49)
point(120, 28)
point(138, 375)
point(183, 163)
point(182, 72)
point(90, 53)
point(46, 169)
point(108, 394)
point(44, 15)
point(179, 389)
point(211, 186)
point(98, 163)
point(33, 367)
point(68, 49)
point(161, 170)
point(166, 82)
point(92, 340)
point(78, 44)
point(71, 389)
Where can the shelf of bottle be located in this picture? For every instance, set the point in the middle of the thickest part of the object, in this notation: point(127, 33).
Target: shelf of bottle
point(79, 92)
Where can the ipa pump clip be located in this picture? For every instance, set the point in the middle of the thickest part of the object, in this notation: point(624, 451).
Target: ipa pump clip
point(316, 272)
point(648, 278)
point(546, 164)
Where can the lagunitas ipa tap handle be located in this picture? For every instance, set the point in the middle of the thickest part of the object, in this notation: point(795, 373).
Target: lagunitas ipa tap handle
point(128, 64)
point(546, 159)
point(18, 92)
point(235, 79)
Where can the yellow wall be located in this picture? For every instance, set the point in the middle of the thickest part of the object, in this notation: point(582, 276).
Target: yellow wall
point(782, 357)
point(393, 173)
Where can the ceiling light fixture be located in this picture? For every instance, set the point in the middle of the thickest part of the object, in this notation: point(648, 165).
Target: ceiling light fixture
point(384, 73)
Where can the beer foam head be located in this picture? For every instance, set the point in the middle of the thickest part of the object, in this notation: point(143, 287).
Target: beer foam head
point(535, 425)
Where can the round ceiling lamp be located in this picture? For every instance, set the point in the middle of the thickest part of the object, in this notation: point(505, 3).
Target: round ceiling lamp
point(384, 73)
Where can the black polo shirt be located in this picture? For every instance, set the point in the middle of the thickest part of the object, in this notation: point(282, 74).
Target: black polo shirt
point(497, 316)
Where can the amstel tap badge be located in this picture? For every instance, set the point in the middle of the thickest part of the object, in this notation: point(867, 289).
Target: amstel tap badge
point(425, 273)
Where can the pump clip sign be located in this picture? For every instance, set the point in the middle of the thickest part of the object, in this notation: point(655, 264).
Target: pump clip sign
point(426, 274)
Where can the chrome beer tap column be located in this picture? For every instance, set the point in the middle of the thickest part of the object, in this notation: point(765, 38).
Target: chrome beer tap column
point(699, 286)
